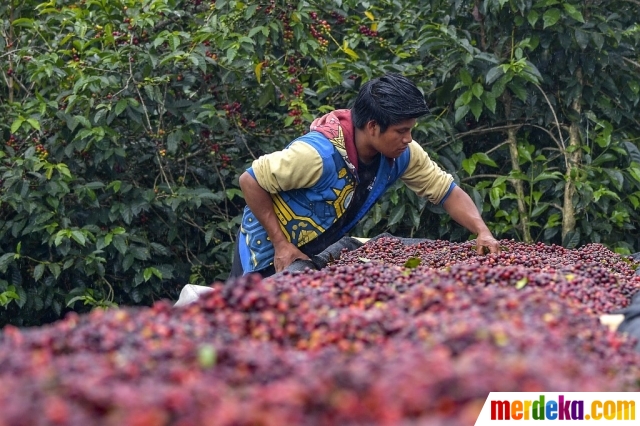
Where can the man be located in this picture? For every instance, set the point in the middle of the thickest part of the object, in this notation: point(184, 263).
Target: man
point(306, 197)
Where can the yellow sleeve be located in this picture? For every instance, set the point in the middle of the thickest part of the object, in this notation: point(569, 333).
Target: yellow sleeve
point(425, 177)
point(298, 166)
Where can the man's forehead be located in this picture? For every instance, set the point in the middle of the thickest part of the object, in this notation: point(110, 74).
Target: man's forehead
point(405, 124)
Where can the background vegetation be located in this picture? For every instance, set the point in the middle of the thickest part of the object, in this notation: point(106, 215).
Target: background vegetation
point(127, 122)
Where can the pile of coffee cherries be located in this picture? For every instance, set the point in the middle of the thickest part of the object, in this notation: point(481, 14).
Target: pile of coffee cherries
point(375, 338)
point(593, 276)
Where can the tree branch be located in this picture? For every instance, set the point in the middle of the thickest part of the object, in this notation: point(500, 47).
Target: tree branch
point(480, 177)
point(632, 62)
point(482, 130)
point(495, 148)
point(553, 111)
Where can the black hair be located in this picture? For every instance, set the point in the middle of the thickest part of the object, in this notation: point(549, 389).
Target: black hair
point(388, 100)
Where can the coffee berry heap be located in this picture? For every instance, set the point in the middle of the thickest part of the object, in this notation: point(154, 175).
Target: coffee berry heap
point(366, 340)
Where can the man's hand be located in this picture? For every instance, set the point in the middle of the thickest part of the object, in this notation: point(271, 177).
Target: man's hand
point(286, 254)
point(485, 239)
point(261, 204)
point(463, 210)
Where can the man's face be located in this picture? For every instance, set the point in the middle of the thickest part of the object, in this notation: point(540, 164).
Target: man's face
point(395, 140)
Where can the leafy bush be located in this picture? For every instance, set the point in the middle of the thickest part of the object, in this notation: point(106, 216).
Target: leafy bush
point(127, 124)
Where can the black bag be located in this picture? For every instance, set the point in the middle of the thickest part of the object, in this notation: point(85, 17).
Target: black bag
point(334, 251)
point(321, 260)
point(631, 322)
point(299, 266)
point(636, 258)
point(405, 241)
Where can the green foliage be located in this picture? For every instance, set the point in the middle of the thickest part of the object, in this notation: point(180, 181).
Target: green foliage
point(491, 77)
point(126, 125)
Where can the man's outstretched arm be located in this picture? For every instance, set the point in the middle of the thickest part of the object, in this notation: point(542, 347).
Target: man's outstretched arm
point(464, 211)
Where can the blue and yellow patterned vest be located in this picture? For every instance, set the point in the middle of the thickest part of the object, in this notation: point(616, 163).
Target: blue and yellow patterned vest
point(306, 213)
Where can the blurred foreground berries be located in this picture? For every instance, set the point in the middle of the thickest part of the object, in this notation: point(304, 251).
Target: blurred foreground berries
point(366, 340)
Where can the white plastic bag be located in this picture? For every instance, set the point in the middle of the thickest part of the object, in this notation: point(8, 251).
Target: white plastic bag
point(190, 293)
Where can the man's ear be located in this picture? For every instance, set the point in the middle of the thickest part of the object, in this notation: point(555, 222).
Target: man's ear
point(371, 127)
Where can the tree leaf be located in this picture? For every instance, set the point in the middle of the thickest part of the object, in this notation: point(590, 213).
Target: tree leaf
point(207, 356)
point(415, 217)
point(539, 209)
point(499, 86)
point(518, 90)
point(493, 74)
point(632, 151)
point(545, 176)
point(38, 271)
point(208, 235)
point(351, 53)
point(461, 112)
point(73, 300)
point(255, 30)
point(23, 22)
point(476, 108)
point(120, 244)
point(477, 90)
point(127, 262)
point(174, 42)
point(489, 101)
point(118, 230)
point(466, 97)
point(533, 70)
point(140, 253)
point(572, 239)
point(147, 274)
point(598, 39)
point(15, 126)
point(60, 235)
point(582, 38)
point(412, 262)
point(533, 17)
point(136, 295)
point(573, 12)
point(494, 197)
point(465, 77)
point(173, 140)
point(121, 106)
point(157, 273)
point(84, 121)
point(34, 123)
point(5, 260)
point(551, 17)
point(54, 268)
point(483, 158)
point(258, 70)
point(396, 214)
point(469, 165)
point(521, 283)
point(78, 236)
point(63, 170)
point(160, 249)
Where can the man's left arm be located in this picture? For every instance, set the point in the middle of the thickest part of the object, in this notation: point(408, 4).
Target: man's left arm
point(463, 210)
point(427, 179)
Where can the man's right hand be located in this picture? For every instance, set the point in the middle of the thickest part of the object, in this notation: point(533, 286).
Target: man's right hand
point(285, 254)
point(261, 204)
